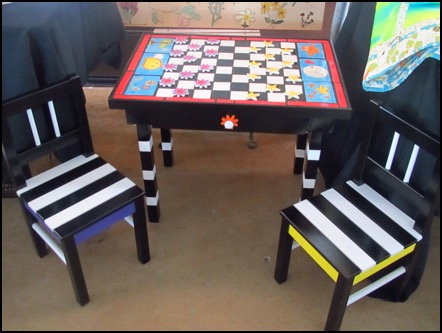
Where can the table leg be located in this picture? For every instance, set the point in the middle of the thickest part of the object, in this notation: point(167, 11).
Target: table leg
point(145, 145)
point(301, 141)
point(311, 163)
point(252, 143)
point(166, 147)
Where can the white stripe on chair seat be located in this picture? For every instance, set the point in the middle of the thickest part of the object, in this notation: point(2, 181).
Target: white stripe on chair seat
point(70, 187)
point(339, 239)
point(379, 235)
point(89, 203)
point(55, 172)
point(387, 208)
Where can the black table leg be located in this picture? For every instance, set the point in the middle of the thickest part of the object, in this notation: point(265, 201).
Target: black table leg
point(145, 144)
point(166, 146)
point(311, 163)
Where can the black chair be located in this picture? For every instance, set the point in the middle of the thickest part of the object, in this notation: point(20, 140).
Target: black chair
point(370, 228)
point(78, 197)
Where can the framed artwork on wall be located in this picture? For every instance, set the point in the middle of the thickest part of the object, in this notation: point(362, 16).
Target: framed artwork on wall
point(294, 19)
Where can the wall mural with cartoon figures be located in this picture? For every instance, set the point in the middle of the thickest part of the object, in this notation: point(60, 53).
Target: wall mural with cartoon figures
point(303, 16)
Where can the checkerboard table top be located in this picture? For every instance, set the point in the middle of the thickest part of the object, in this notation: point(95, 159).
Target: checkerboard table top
point(240, 70)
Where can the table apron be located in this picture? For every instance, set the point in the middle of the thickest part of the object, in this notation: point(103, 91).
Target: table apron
point(210, 118)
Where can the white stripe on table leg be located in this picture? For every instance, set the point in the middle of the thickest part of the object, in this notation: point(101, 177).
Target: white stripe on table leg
point(145, 146)
point(149, 174)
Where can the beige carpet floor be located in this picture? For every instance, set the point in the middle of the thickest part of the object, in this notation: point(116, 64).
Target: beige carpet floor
point(213, 251)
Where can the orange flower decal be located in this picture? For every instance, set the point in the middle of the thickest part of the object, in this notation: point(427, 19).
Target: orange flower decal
point(311, 49)
point(229, 121)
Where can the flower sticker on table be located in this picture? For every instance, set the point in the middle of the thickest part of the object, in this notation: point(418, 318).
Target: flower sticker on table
point(170, 67)
point(212, 41)
point(206, 68)
point(194, 47)
point(286, 50)
point(202, 83)
point(254, 49)
point(189, 58)
point(167, 82)
point(211, 53)
point(181, 40)
point(229, 121)
point(253, 96)
point(176, 53)
point(269, 56)
point(187, 75)
point(180, 92)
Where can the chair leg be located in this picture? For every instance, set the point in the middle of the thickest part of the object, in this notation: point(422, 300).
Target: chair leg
point(284, 252)
point(399, 289)
point(166, 146)
point(140, 229)
point(75, 271)
point(39, 244)
point(338, 305)
point(148, 165)
point(415, 267)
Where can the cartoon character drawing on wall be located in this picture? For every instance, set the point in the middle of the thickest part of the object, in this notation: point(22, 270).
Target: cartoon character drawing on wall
point(184, 15)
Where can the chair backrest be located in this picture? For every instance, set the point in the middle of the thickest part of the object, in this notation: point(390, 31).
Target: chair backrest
point(48, 121)
point(402, 164)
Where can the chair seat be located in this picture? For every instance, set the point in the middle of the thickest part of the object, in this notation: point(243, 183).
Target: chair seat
point(77, 194)
point(339, 229)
